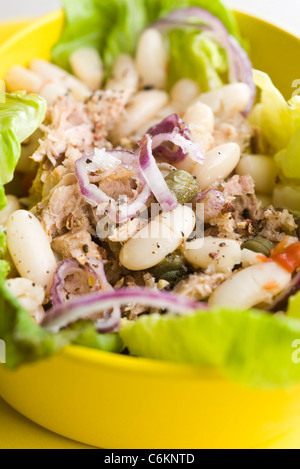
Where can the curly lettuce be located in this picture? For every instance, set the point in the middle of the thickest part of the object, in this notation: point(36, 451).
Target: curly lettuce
point(27, 342)
point(251, 347)
point(279, 122)
point(113, 27)
point(4, 267)
point(20, 116)
point(204, 61)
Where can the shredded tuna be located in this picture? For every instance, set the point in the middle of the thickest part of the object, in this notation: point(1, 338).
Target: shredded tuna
point(66, 211)
point(105, 108)
point(233, 128)
point(127, 230)
point(200, 286)
point(277, 224)
point(78, 245)
point(239, 186)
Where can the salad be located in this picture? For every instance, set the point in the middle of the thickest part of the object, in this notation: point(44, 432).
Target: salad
point(150, 195)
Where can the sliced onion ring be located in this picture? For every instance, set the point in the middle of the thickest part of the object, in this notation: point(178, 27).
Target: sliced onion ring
point(185, 147)
point(64, 315)
point(175, 131)
point(96, 197)
point(168, 125)
point(93, 195)
point(66, 269)
point(281, 303)
point(94, 268)
point(154, 177)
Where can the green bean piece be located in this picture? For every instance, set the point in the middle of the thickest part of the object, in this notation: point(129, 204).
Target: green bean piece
point(172, 269)
point(183, 185)
point(260, 245)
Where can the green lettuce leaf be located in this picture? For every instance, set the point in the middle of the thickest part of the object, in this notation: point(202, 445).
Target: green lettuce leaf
point(105, 342)
point(278, 119)
point(204, 61)
point(294, 306)
point(288, 159)
point(4, 267)
point(160, 8)
point(251, 347)
point(27, 342)
point(20, 116)
point(113, 27)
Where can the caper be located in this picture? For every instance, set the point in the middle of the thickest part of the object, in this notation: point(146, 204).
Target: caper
point(183, 185)
point(171, 269)
point(259, 245)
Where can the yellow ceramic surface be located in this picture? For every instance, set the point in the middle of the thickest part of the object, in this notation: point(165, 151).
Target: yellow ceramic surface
point(122, 402)
point(9, 28)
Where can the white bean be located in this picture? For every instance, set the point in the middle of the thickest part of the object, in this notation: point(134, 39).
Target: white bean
point(124, 75)
point(30, 249)
point(151, 59)
point(87, 65)
point(201, 122)
point(219, 164)
point(249, 258)
point(51, 91)
point(48, 71)
point(222, 254)
point(265, 200)
point(183, 93)
point(262, 169)
point(30, 296)
point(12, 206)
point(20, 78)
point(162, 236)
point(143, 107)
point(162, 114)
point(228, 99)
point(287, 196)
point(252, 286)
point(200, 115)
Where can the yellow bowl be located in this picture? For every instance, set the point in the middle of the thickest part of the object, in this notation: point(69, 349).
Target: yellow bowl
point(8, 28)
point(113, 401)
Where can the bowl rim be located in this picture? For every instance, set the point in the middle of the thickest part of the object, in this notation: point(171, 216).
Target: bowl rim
point(110, 360)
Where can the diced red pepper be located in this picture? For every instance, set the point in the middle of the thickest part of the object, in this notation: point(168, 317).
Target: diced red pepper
point(288, 256)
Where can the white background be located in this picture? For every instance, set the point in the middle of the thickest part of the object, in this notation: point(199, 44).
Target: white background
point(283, 12)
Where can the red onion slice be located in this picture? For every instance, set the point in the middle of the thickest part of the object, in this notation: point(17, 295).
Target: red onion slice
point(169, 125)
point(240, 67)
point(153, 176)
point(98, 267)
point(96, 197)
point(185, 147)
point(94, 268)
point(245, 71)
point(93, 195)
point(66, 269)
point(175, 131)
point(111, 319)
point(281, 303)
point(64, 315)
